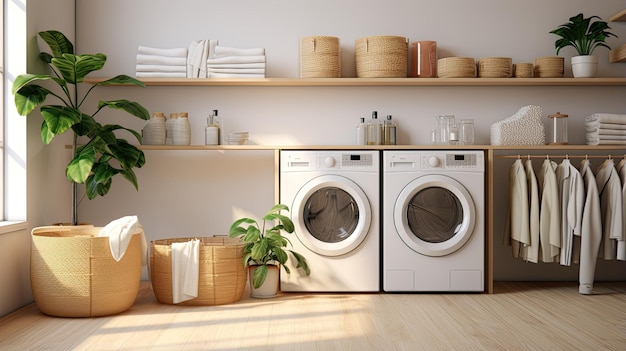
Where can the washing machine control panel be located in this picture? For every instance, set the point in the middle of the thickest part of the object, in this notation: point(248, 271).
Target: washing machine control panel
point(453, 161)
point(345, 160)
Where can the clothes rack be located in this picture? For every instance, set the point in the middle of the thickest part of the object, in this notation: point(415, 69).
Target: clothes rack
point(609, 156)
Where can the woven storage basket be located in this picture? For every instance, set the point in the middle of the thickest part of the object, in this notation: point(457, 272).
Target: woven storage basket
point(456, 67)
point(523, 70)
point(382, 57)
point(549, 67)
point(73, 273)
point(319, 57)
point(222, 276)
point(495, 67)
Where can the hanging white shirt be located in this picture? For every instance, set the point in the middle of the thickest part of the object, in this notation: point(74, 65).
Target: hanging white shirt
point(610, 189)
point(572, 197)
point(531, 252)
point(550, 213)
point(517, 226)
point(591, 231)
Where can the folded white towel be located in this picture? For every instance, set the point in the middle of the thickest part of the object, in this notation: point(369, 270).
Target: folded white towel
point(225, 51)
point(607, 118)
point(597, 125)
point(161, 74)
point(237, 70)
point(194, 58)
point(238, 65)
point(185, 270)
point(159, 68)
point(176, 52)
point(606, 142)
point(161, 60)
point(605, 132)
point(235, 75)
point(605, 137)
point(120, 231)
point(236, 59)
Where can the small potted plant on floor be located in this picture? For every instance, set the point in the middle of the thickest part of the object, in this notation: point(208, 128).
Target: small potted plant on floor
point(102, 154)
point(585, 36)
point(265, 249)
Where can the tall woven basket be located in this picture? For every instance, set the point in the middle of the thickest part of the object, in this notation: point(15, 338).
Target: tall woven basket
point(320, 57)
point(222, 276)
point(73, 273)
point(382, 57)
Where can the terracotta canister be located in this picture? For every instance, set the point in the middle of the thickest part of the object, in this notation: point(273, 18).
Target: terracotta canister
point(424, 59)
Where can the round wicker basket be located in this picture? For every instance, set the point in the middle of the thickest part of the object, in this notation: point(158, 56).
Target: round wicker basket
point(549, 67)
point(319, 57)
point(495, 67)
point(456, 67)
point(73, 273)
point(222, 276)
point(523, 70)
point(382, 57)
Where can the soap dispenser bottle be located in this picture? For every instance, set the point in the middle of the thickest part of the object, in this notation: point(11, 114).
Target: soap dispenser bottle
point(389, 131)
point(360, 133)
point(373, 130)
point(212, 130)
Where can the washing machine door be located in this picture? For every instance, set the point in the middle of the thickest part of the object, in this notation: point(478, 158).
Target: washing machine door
point(331, 215)
point(434, 215)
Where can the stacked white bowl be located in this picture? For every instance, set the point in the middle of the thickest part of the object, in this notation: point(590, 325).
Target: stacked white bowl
point(237, 138)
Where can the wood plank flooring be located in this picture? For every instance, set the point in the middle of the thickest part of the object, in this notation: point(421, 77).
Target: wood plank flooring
point(518, 316)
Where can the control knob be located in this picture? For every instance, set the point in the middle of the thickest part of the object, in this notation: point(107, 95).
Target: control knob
point(433, 161)
point(329, 161)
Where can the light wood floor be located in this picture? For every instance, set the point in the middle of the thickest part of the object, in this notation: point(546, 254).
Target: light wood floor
point(519, 316)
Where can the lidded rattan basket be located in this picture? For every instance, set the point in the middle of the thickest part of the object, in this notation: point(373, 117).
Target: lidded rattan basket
point(320, 57)
point(549, 67)
point(74, 274)
point(456, 67)
point(382, 57)
point(222, 275)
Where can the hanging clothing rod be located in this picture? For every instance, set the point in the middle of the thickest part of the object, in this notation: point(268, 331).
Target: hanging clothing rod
point(559, 156)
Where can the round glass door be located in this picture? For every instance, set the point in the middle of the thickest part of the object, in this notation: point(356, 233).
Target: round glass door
point(331, 215)
point(434, 215)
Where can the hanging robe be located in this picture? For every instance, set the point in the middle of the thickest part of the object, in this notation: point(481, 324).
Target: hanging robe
point(531, 252)
point(571, 200)
point(610, 189)
point(621, 244)
point(517, 231)
point(550, 214)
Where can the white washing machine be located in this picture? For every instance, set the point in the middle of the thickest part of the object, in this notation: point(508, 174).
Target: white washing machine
point(334, 202)
point(433, 221)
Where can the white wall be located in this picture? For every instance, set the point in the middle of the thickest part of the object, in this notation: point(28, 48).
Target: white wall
point(199, 193)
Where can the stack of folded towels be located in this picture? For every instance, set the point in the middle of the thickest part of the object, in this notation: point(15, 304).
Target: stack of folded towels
point(227, 62)
point(163, 63)
point(606, 129)
point(199, 53)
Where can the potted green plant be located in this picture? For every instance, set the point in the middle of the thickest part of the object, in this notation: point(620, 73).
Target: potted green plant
point(585, 35)
point(102, 155)
point(265, 249)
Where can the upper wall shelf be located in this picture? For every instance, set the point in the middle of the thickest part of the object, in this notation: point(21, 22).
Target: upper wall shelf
point(309, 82)
point(619, 17)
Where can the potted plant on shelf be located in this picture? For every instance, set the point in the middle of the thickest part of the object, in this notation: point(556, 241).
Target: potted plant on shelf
point(102, 155)
point(585, 36)
point(265, 249)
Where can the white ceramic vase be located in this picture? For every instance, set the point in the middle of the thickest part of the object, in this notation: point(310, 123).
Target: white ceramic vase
point(269, 288)
point(584, 66)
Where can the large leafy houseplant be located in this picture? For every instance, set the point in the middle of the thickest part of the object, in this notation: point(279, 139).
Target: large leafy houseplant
point(583, 34)
point(266, 245)
point(102, 155)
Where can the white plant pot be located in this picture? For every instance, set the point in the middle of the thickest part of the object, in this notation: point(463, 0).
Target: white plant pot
point(584, 66)
point(269, 288)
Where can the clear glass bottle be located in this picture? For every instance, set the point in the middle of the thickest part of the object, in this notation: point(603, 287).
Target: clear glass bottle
point(182, 130)
point(389, 131)
point(374, 130)
point(444, 122)
point(453, 136)
point(360, 132)
point(466, 132)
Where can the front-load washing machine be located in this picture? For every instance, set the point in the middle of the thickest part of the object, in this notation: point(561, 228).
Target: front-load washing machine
point(334, 202)
point(433, 221)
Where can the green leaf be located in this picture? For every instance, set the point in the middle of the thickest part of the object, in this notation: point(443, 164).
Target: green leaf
point(259, 250)
point(80, 167)
point(122, 79)
point(281, 255)
point(59, 118)
point(27, 98)
point(253, 234)
point(259, 275)
point(74, 68)
point(86, 126)
point(131, 107)
point(302, 263)
point(58, 43)
point(25, 79)
point(94, 189)
point(127, 155)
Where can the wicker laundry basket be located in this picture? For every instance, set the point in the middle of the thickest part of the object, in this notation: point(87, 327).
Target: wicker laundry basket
point(73, 273)
point(382, 57)
point(319, 57)
point(222, 276)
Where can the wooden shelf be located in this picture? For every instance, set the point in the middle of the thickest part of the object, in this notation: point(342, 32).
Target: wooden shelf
point(384, 147)
point(311, 82)
point(619, 17)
